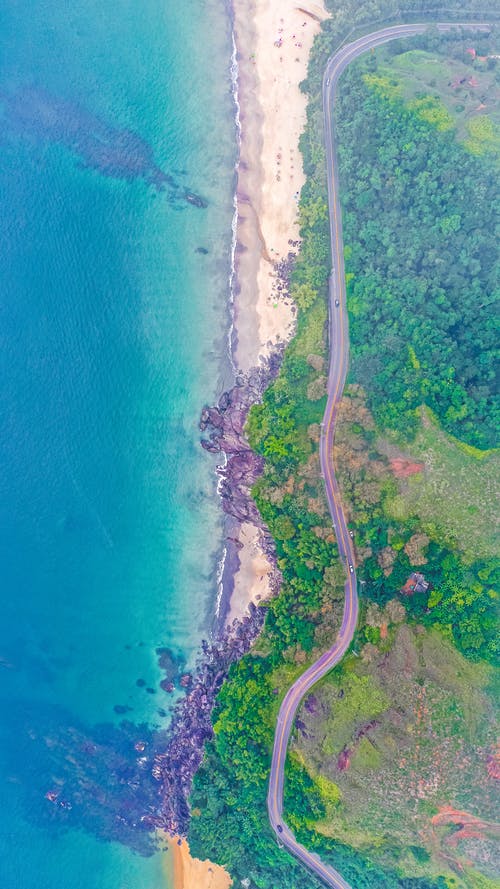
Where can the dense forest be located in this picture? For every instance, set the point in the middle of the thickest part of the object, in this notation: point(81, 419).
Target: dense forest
point(421, 295)
point(419, 224)
point(349, 15)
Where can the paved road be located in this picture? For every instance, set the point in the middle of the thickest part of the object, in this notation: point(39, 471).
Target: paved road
point(339, 354)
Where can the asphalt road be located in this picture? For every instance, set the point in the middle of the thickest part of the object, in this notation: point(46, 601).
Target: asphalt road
point(339, 355)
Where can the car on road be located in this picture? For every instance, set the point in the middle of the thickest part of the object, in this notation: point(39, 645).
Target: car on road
point(351, 568)
point(280, 829)
point(337, 303)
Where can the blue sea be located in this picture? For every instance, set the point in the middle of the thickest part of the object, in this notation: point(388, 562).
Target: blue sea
point(114, 119)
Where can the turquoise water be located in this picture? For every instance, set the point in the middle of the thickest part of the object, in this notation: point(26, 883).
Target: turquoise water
point(112, 329)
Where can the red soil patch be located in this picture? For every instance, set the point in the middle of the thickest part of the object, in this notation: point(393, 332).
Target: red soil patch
point(344, 760)
point(449, 815)
point(468, 825)
point(402, 467)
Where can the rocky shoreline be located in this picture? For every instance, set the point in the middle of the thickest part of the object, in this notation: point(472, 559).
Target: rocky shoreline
point(175, 766)
point(223, 429)
point(223, 432)
point(177, 760)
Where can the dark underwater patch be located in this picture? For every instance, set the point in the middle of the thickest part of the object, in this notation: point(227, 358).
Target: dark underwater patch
point(33, 113)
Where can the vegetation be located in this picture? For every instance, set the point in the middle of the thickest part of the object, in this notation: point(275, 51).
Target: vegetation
point(401, 732)
point(464, 88)
point(229, 821)
point(428, 521)
point(403, 727)
point(454, 497)
point(428, 286)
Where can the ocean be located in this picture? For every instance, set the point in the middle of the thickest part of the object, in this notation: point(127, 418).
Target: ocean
point(116, 124)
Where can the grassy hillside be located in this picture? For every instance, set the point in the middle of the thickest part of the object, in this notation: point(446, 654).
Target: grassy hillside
point(454, 495)
point(461, 93)
point(404, 731)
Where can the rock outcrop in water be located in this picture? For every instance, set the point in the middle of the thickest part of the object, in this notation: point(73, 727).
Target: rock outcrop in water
point(35, 114)
point(175, 766)
point(223, 427)
point(120, 782)
point(195, 199)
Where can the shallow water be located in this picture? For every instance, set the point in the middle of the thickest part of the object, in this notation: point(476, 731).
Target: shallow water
point(112, 332)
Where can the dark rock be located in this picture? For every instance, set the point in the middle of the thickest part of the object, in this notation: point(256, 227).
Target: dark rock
point(311, 703)
point(140, 683)
point(169, 663)
point(210, 446)
point(300, 725)
point(223, 428)
point(205, 415)
point(195, 199)
point(175, 763)
point(121, 708)
point(151, 691)
point(202, 250)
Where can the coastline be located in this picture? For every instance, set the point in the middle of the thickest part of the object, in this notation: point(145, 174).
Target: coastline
point(270, 117)
point(184, 872)
point(273, 42)
point(271, 114)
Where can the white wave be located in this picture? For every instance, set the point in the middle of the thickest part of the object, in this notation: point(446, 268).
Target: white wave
point(220, 582)
point(234, 223)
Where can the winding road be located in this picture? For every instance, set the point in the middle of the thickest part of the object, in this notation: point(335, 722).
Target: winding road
point(339, 355)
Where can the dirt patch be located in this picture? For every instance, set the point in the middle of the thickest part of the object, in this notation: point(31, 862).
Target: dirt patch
point(465, 825)
point(402, 467)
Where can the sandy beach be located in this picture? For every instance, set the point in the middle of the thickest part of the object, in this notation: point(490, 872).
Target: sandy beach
point(184, 872)
point(273, 43)
point(252, 580)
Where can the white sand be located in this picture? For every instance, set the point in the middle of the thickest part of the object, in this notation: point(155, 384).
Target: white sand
point(251, 583)
point(273, 115)
point(271, 175)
